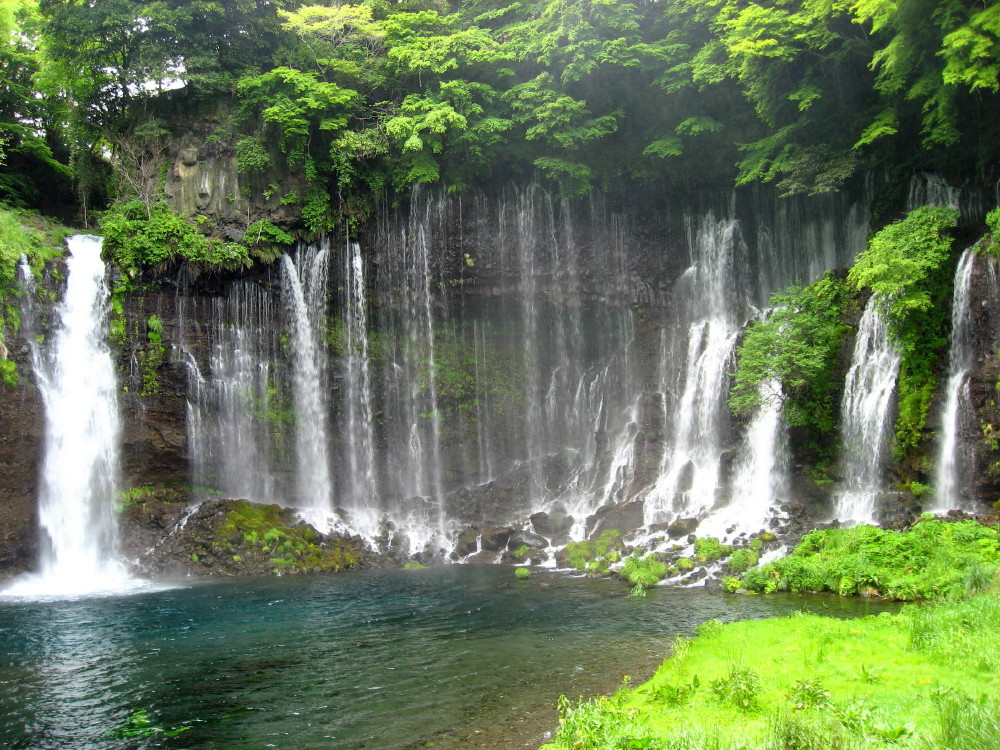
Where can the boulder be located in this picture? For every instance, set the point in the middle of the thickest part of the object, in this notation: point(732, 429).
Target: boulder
point(495, 539)
point(467, 542)
point(553, 524)
point(528, 539)
point(682, 527)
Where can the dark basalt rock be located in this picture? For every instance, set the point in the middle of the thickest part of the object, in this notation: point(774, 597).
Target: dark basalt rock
point(467, 542)
point(232, 538)
point(526, 538)
point(623, 517)
point(495, 539)
point(682, 527)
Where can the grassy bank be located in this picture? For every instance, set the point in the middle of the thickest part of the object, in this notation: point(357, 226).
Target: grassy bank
point(927, 677)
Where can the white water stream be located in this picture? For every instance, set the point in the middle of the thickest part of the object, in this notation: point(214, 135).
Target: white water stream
point(866, 417)
point(304, 278)
point(957, 407)
point(77, 494)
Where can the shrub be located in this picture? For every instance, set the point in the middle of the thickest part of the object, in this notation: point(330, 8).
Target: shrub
point(742, 559)
point(595, 556)
point(709, 549)
point(796, 346)
point(933, 558)
point(809, 694)
point(643, 571)
point(135, 237)
point(740, 688)
point(522, 574)
point(731, 584)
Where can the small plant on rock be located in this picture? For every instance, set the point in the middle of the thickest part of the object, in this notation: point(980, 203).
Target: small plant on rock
point(643, 571)
point(709, 549)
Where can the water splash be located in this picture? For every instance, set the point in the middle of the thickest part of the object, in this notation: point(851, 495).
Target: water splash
point(304, 288)
point(760, 476)
point(77, 382)
point(865, 410)
point(957, 412)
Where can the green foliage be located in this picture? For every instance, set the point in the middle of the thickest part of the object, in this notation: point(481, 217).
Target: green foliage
point(990, 244)
point(414, 565)
point(138, 495)
point(287, 546)
point(522, 574)
point(902, 263)
point(791, 684)
point(809, 694)
point(906, 265)
point(708, 549)
point(740, 687)
point(140, 724)
point(677, 694)
point(931, 559)
point(605, 723)
point(595, 556)
point(643, 571)
point(742, 559)
point(135, 238)
point(8, 373)
point(35, 238)
point(795, 347)
point(731, 584)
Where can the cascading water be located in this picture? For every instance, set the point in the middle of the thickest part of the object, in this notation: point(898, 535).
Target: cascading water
point(690, 471)
point(234, 408)
point(866, 410)
point(361, 493)
point(760, 477)
point(957, 410)
point(304, 290)
point(77, 382)
point(413, 470)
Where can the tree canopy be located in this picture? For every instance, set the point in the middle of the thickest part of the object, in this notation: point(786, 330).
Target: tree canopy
point(365, 95)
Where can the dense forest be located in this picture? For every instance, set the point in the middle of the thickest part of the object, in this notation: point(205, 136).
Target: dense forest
point(362, 99)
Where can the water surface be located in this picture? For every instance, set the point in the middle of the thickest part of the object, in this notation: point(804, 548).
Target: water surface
point(454, 657)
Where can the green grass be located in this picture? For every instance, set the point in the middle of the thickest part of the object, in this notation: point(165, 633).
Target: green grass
point(924, 678)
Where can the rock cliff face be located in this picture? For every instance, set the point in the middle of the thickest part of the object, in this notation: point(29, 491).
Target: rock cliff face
point(203, 177)
point(21, 436)
point(558, 332)
point(980, 436)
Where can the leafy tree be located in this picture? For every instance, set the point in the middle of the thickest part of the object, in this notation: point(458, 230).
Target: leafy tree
point(796, 346)
point(30, 145)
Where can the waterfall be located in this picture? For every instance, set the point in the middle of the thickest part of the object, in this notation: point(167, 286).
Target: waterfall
point(760, 475)
point(951, 463)
point(413, 422)
point(304, 290)
point(866, 410)
point(235, 409)
point(690, 470)
point(76, 378)
point(361, 493)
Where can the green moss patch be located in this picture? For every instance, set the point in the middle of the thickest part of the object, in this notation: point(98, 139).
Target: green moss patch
point(272, 536)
